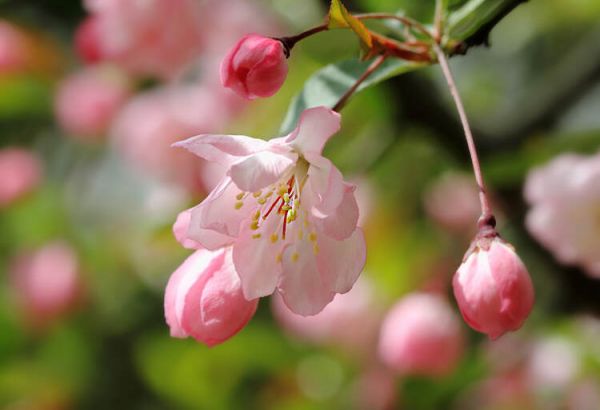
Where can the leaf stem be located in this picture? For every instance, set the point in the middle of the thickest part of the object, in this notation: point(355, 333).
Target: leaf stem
point(374, 65)
point(407, 21)
point(487, 217)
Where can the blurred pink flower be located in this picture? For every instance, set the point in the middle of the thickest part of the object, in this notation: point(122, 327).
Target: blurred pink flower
point(553, 364)
point(421, 335)
point(338, 322)
point(453, 202)
point(150, 37)
point(87, 41)
point(493, 288)
point(46, 282)
point(565, 198)
point(150, 122)
point(204, 299)
point(256, 67)
point(287, 212)
point(87, 101)
point(376, 389)
point(13, 48)
point(20, 173)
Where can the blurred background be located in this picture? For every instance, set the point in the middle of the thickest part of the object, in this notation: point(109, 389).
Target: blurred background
point(92, 94)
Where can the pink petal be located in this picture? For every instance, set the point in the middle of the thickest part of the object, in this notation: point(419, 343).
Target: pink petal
point(218, 213)
point(342, 223)
point(315, 127)
point(222, 149)
point(215, 309)
point(256, 258)
point(186, 275)
point(341, 262)
point(180, 229)
point(260, 170)
point(326, 184)
point(302, 286)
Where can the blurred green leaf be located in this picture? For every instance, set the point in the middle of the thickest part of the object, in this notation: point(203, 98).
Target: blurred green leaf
point(327, 85)
point(475, 15)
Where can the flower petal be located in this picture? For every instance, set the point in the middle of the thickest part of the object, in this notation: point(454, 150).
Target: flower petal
point(326, 184)
point(302, 286)
point(223, 149)
point(186, 275)
point(218, 212)
point(341, 262)
point(260, 170)
point(315, 127)
point(341, 223)
point(256, 257)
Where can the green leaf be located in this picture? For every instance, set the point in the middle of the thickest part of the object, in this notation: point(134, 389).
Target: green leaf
point(327, 85)
point(475, 15)
point(339, 17)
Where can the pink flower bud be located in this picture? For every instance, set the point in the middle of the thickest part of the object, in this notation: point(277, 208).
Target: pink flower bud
point(46, 282)
point(421, 335)
point(256, 67)
point(87, 41)
point(20, 173)
point(493, 288)
point(87, 101)
point(13, 48)
point(204, 298)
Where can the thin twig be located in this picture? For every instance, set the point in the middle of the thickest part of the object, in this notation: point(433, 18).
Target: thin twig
point(374, 65)
point(486, 210)
point(290, 42)
point(407, 21)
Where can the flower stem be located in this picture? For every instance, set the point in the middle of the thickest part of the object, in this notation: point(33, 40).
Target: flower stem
point(487, 217)
point(344, 99)
point(290, 42)
point(407, 21)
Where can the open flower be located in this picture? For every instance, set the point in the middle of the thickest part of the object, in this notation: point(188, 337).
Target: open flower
point(287, 212)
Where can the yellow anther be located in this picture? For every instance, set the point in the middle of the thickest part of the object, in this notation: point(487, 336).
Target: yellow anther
point(239, 204)
point(254, 225)
point(295, 257)
point(256, 194)
point(278, 257)
point(282, 190)
point(315, 248)
point(268, 195)
point(274, 237)
point(291, 217)
point(286, 208)
point(306, 224)
point(312, 237)
point(256, 236)
point(239, 196)
point(256, 216)
point(286, 198)
point(300, 234)
point(262, 200)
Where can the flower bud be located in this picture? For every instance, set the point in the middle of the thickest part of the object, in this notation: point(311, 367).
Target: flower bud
point(20, 173)
point(255, 67)
point(493, 288)
point(421, 335)
point(204, 298)
point(87, 41)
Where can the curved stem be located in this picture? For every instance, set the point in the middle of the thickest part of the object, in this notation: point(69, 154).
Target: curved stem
point(407, 21)
point(290, 42)
point(487, 217)
point(344, 99)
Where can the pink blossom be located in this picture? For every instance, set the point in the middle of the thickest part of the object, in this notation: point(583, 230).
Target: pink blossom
point(493, 288)
point(87, 101)
point(204, 300)
point(20, 173)
point(287, 212)
point(151, 37)
point(255, 67)
point(87, 41)
point(453, 202)
point(421, 335)
point(150, 122)
point(565, 197)
point(13, 48)
point(336, 324)
point(375, 389)
point(46, 282)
